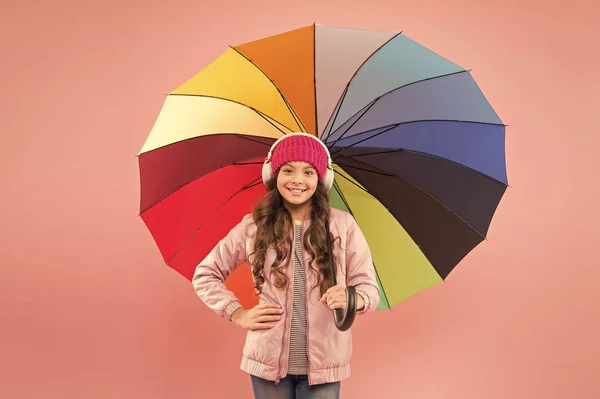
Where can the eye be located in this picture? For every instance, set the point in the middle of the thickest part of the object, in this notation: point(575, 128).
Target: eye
point(287, 170)
point(309, 172)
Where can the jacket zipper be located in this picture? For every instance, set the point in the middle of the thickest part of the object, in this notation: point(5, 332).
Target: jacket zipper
point(307, 289)
point(307, 342)
point(282, 340)
point(287, 288)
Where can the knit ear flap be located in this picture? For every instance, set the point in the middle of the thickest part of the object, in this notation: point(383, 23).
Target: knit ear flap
point(267, 171)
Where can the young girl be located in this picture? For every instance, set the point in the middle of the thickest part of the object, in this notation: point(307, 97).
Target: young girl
point(293, 348)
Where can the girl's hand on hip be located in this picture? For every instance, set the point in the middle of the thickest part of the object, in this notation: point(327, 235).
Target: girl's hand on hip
point(335, 298)
point(261, 317)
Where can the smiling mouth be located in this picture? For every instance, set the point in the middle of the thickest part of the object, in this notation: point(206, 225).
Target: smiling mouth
point(296, 190)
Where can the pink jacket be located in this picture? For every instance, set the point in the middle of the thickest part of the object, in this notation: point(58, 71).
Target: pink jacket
point(266, 352)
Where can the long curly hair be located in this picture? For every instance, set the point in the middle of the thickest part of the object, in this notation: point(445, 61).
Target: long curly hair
point(274, 230)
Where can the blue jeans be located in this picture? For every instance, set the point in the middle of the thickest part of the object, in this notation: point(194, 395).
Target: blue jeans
point(294, 387)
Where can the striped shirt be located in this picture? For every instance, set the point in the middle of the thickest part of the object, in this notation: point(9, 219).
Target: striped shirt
point(298, 362)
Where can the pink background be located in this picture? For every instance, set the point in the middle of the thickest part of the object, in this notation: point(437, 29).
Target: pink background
point(88, 310)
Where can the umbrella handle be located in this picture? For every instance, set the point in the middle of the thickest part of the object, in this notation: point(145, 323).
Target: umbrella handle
point(343, 320)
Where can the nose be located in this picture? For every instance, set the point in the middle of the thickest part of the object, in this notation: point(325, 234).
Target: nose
point(297, 179)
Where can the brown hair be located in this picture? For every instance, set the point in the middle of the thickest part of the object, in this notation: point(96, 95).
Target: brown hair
point(274, 230)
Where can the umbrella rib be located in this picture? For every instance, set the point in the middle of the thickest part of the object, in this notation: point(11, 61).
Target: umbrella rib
point(334, 116)
point(240, 135)
point(343, 198)
point(368, 138)
point(399, 222)
point(246, 163)
point(362, 188)
point(189, 182)
point(296, 118)
point(269, 120)
point(418, 188)
point(369, 106)
point(239, 103)
point(395, 125)
point(256, 141)
point(345, 91)
point(257, 182)
point(204, 174)
point(389, 92)
point(424, 154)
point(246, 187)
point(366, 170)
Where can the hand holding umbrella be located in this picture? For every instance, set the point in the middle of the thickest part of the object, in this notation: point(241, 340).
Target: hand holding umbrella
point(343, 320)
point(340, 299)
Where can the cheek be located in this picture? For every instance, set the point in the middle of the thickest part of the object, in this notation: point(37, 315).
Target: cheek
point(281, 183)
point(281, 180)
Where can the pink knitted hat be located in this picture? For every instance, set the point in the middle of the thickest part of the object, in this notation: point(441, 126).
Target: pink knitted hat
point(300, 148)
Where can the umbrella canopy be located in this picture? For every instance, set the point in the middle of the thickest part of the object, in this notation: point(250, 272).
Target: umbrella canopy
point(417, 149)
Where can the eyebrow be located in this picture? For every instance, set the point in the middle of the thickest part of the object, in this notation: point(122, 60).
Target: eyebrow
point(293, 167)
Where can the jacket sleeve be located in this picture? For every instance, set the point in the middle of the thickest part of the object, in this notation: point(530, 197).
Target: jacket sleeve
point(210, 274)
point(360, 270)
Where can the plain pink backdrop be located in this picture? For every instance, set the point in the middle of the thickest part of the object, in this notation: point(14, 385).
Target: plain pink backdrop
point(88, 310)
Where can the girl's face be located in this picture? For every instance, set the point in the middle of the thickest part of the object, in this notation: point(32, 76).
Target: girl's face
point(297, 182)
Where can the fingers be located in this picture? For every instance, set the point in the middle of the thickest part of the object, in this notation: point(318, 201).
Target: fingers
point(262, 326)
point(271, 306)
point(265, 322)
point(263, 319)
point(336, 288)
point(333, 291)
point(268, 306)
point(270, 311)
point(264, 316)
point(267, 309)
point(338, 305)
point(336, 300)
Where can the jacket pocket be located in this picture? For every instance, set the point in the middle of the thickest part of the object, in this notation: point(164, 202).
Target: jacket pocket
point(263, 346)
point(254, 339)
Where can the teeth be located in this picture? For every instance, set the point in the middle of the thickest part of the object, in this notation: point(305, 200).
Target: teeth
point(296, 191)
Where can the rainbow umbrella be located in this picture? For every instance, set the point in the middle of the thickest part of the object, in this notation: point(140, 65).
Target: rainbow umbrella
point(417, 149)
